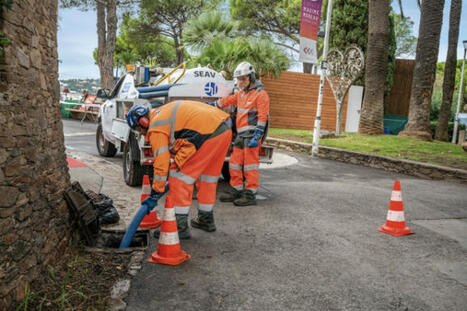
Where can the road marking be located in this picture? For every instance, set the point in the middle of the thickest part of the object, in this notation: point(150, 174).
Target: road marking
point(80, 134)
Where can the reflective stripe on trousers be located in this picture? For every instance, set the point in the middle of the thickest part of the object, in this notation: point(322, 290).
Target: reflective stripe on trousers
point(204, 167)
point(244, 163)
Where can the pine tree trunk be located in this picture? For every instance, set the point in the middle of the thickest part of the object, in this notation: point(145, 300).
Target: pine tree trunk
point(449, 71)
point(106, 36)
point(179, 49)
point(431, 20)
point(371, 119)
point(101, 34)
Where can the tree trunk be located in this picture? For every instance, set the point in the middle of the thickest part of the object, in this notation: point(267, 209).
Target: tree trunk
point(371, 119)
point(431, 20)
point(179, 51)
point(449, 71)
point(178, 43)
point(339, 106)
point(106, 36)
point(307, 67)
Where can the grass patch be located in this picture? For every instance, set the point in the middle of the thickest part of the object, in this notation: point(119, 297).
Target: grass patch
point(435, 152)
point(297, 135)
point(80, 281)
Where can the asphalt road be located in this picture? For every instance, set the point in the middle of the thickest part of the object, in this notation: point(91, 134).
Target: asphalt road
point(81, 136)
point(313, 245)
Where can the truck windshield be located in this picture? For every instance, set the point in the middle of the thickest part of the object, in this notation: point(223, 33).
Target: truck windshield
point(117, 87)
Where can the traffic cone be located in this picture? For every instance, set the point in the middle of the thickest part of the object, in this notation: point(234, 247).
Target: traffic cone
point(168, 250)
point(151, 220)
point(395, 220)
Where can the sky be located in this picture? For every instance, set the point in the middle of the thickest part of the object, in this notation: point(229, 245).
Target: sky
point(77, 38)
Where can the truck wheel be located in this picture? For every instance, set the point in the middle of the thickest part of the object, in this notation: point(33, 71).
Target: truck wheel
point(226, 172)
point(132, 171)
point(104, 147)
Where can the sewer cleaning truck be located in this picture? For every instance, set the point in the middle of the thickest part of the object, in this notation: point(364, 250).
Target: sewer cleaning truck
point(153, 88)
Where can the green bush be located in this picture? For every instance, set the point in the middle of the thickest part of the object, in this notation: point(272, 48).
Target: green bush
point(437, 99)
point(450, 128)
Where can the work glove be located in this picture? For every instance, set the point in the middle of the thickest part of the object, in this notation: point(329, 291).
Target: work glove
point(156, 195)
point(151, 201)
point(254, 141)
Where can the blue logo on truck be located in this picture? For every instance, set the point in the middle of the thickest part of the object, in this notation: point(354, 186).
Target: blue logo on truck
point(210, 89)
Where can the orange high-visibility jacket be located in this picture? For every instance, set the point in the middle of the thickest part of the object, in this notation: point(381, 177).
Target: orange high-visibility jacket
point(179, 129)
point(252, 108)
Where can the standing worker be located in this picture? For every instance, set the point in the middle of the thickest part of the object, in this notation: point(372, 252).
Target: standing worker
point(197, 136)
point(252, 103)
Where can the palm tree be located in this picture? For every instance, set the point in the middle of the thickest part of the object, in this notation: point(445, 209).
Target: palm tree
point(202, 31)
point(431, 20)
point(449, 71)
point(263, 54)
point(217, 40)
point(371, 119)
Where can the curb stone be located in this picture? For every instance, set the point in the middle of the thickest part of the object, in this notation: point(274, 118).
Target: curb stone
point(408, 167)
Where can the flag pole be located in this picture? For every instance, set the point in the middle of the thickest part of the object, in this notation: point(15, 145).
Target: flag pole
point(317, 127)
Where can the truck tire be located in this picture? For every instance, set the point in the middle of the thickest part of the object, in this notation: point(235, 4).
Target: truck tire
point(132, 170)
point(226, 172)
point(104, 147)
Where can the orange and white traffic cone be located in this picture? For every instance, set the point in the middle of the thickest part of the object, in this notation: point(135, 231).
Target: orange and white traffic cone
point(151, 220)
point(168, 250)
point(395, 220)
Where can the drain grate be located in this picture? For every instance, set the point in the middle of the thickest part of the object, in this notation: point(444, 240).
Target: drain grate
point(112, 239)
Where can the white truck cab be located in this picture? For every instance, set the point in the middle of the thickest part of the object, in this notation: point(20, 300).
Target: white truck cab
point(154, 88)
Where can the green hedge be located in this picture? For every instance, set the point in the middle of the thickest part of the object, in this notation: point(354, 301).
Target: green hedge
point(450, 128)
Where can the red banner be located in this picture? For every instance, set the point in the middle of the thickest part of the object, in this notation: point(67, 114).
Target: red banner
point(309, 26)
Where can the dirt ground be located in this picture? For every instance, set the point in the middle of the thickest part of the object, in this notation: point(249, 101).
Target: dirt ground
point(82, 280)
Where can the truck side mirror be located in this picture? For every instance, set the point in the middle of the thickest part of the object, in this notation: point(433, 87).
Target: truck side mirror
point(103, 93)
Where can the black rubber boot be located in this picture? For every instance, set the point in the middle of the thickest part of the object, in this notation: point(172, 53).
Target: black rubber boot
point(230, 196)
point(204, 221)
point(247, 198)
point(182, 228)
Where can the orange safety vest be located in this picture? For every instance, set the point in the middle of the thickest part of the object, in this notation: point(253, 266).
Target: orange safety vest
point(252, 108)
point(179, 129)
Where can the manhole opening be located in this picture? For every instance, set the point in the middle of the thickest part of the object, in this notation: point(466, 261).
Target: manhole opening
point(112, 239)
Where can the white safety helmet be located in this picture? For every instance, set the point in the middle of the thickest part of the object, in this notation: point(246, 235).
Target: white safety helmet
point(243, 69)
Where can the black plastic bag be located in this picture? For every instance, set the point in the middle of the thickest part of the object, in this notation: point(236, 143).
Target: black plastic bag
point(106, 211)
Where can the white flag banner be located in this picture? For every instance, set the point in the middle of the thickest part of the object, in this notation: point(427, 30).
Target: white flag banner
point(308, 51)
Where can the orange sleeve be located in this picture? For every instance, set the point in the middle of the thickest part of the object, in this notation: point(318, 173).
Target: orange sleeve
point(160, 146)
point(262, 105)
point(230, 100)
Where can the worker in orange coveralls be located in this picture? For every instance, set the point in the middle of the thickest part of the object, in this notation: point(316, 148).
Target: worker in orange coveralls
point(197, 136)
point(252, 103)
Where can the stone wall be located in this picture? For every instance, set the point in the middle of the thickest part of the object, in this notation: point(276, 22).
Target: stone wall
point(34, 228)
point(413, 168)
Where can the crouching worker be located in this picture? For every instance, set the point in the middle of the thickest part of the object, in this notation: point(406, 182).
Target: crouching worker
point(197, 137)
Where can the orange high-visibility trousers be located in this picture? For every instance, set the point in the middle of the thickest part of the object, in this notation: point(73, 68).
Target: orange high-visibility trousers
point(244, 162)
point(205, 166)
